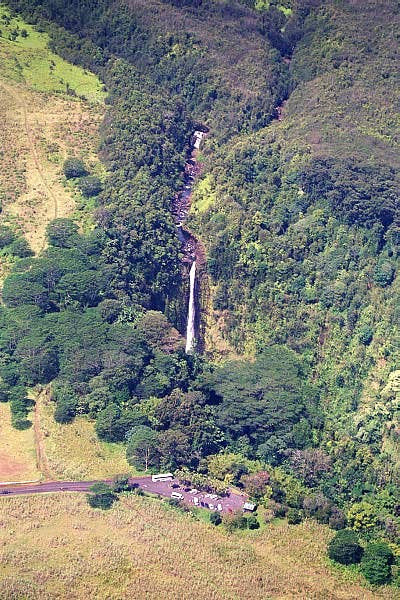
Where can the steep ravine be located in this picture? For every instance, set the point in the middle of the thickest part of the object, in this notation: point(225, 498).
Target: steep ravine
point(193, 252)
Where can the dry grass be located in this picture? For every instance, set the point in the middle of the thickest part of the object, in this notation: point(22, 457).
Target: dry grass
point(73, 451)
point(17, 450)
point(40, 125)
point(44, 130)
point(57, 547)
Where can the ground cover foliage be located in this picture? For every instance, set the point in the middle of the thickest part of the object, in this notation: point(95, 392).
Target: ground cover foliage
point(301, 225)
point(126, 552)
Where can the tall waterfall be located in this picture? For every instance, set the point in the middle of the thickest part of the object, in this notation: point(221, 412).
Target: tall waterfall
point(190, 332)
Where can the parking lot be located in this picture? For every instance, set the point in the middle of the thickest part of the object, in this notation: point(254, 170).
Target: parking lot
point(234, 501)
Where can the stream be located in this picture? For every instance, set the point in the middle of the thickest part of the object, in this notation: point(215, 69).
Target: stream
point(180, 211)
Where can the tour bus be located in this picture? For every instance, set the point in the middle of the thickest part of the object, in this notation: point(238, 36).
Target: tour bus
point(162, 477)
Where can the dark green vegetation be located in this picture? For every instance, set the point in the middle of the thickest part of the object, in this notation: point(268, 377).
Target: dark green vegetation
point(345, 548)
point(301, 223)
point(376, 562)
point(12, 244)
point(101, 496)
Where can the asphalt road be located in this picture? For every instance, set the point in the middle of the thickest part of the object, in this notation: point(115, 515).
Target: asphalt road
point(230, 503)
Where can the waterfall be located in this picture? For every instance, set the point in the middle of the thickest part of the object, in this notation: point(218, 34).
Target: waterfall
point(190, 332)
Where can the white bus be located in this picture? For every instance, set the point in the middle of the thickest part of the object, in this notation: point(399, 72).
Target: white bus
point(162, 477)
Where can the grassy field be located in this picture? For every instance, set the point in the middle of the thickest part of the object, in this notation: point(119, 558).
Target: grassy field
point(17, 451)
point(40, 125)
point(74, 452)
point(26, 58)
point(57, 547)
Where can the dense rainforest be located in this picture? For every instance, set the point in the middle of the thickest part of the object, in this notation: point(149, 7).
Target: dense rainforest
point(298, 209)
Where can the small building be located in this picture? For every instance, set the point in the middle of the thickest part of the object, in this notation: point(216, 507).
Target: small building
point(249, 506)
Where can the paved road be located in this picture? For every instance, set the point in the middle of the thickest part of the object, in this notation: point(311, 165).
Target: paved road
point(230, 503)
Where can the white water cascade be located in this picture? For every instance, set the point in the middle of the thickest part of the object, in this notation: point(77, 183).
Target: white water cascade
point(190, 331)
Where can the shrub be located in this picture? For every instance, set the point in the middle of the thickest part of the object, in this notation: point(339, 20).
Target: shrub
point(20, 248)
point(344, 548)
point(101, 496)
point(252, 522)
point(337, 520)
point(121, 484)
point(7, 236)
point(65, 411)
point(90, 186)
point(294, 516)
point(376, 563)
point(74, 167)
point(215, 518)
point(234, 521)
point(366, 335)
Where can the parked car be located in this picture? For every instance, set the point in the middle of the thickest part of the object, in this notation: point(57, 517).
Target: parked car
point(177, 495)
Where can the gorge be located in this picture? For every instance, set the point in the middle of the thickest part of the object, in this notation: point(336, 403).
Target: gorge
point(190, 247)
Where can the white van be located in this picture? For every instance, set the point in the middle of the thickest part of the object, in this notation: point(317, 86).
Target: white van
point(177, 495)
point(162, 477)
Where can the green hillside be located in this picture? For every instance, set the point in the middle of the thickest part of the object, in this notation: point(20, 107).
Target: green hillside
point(297, 208)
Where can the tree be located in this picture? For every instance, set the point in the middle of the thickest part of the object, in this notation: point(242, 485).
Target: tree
point(234, 521)
point(376, 563)
point(142, 448)
point(227, 464)
point(384, 273)
point(62, 233)
point(318, 507)
point(90, 186)
point(101, 496)
point(310, 464)
point(158, 333)
point(261, 400)
point(174, 448)
point(121, 484)
point(294, 516)
point(253, 522)
point(215, 518)
point(108, 426)
point(20, 248)
point(256, 484)
point(344, 548)
point(65, 411)
point(366, 334)
point(7, 236)
point(74, 167)
point(362, 516)
point(37, 358)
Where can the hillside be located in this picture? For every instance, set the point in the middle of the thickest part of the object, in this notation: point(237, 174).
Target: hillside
point(41, 125)
point(301, 223)
point(295, 219)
